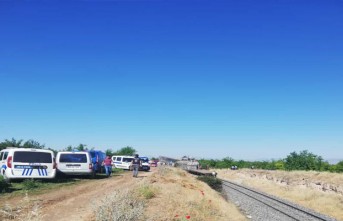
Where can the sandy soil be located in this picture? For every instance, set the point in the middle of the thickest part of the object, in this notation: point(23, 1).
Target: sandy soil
point(76, 202)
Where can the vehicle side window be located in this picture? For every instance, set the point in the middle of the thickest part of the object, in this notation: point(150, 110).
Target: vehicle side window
point(127, 160)
point(1, 154)
point(118, 159)
point(5, 155)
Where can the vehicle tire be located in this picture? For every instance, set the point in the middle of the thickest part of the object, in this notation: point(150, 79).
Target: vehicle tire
point(93, 174)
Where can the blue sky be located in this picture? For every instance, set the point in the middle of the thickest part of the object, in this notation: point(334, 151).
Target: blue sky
point(209, 79)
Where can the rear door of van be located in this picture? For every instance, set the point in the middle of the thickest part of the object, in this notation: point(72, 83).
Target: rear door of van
point(77, 163)
point(32, 164)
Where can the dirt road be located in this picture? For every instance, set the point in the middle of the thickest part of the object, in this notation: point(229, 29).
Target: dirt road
point(76, 202)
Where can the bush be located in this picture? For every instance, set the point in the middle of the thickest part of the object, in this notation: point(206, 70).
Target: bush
point(30, 184)
point(213, 182)
point(3, 185)
point(147, 191)
point(121, 205)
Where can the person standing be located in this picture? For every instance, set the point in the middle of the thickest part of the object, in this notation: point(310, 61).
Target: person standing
point(108, 165)
point(136, 163)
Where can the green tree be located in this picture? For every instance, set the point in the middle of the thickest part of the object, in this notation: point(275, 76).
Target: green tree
point(339, 167)
point(33, 144)
point(303, 161)
point(10, 143)
point(81, 147)
point(109, 152)
point(69, 148)
point(129, 151)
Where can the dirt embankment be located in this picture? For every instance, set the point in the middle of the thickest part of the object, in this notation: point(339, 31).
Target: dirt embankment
point(321, 181)
point(75, 202)
point(168, 194)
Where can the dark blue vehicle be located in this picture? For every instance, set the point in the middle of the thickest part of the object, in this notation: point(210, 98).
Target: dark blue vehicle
point(98, 158)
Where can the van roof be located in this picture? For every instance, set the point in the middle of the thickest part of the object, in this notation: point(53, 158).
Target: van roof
point(27, 149)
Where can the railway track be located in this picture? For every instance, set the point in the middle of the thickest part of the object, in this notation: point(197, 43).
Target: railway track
point(262, 206)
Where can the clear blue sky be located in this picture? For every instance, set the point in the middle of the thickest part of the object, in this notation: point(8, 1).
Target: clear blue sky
point(246, 79)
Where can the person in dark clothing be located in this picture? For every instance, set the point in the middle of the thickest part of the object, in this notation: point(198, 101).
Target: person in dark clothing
point(136, 163)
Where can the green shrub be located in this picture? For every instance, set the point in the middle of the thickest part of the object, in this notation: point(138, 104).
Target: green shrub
point(31, 184)
point(213, 182)
point(147, 191)
point(3, 185)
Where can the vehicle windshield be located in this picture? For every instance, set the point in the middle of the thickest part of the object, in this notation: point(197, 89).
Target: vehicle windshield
point(144, 159)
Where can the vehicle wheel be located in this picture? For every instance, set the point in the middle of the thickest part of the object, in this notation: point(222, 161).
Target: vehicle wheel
point(93, 174)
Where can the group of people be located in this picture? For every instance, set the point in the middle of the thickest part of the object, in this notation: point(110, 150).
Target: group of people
point(136, 163)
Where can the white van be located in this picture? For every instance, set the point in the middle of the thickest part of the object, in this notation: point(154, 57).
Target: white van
point(24, 163)
point(74, 163)
point(122, 162)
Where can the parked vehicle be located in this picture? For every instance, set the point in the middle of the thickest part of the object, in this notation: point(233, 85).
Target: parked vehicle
point(153, 163)
point(74, 163)
point(122, 162)
point(98, 158)
point(24, 163)
point(145, 164)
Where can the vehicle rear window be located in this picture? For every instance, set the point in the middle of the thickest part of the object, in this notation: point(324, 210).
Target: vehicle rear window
point(73, 158)
point(32, 157)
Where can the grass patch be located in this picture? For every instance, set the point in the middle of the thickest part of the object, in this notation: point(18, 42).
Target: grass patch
point(31, 184)
point(4, 186)
point(20, 187)
point(213, 182)
point(147, 191)
point(121, 205)
point(117, 171)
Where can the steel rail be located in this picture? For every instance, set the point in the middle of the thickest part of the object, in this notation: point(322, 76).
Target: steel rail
point(273, 198)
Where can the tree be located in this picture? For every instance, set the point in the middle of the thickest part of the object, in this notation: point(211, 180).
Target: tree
point(33, 144)
point(303, 161)
point(81, 147)
point(339, 167)
point(129, 151)
point(69, 148)
point(109, 152)
point(10, 143)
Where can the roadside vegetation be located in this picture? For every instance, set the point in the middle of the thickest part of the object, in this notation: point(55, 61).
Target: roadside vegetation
point(304, 160)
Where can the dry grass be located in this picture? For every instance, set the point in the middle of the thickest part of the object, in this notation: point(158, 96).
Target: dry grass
point(121, 205)
point(182, 197)
point(27, 209)
point(170, 194)
point(320, 191)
